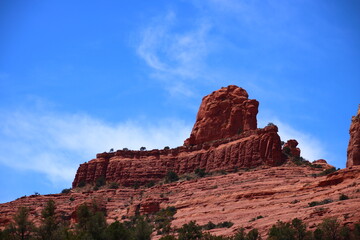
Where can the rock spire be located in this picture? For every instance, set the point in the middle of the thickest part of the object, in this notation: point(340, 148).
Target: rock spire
point(224, 113)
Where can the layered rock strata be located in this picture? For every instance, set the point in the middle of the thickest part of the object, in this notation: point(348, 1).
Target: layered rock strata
point(247, 150)
point(353, 151)
point(276, 193)
point(224, 137)
point(224, 113)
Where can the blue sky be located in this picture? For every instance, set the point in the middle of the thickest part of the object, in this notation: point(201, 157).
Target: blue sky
point(81, 77)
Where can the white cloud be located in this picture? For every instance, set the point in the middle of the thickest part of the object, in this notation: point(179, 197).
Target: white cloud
point(54, 144)
point(175, 56)
point(311, 147)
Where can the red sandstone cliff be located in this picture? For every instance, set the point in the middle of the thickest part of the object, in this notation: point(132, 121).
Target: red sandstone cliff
point(353, 151)
point(224, 137)
point(222, 114)
point(247, 150)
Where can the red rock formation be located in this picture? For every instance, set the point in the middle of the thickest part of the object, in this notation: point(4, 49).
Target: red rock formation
point(323, 163)
point(341, 176)
point(222, 114)
point(247, 150)
point(292, 145)
point(353, 151)
point(276, 193)
point(224, 137)
point(149, 206)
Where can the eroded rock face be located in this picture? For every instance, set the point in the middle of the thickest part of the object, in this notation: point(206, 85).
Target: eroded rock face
point(224, 137)
point(247, 150)
point(292, 145)
point(222, 114)
point(353, 151)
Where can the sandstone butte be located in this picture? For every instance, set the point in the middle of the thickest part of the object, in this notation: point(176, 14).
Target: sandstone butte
point(253, 175)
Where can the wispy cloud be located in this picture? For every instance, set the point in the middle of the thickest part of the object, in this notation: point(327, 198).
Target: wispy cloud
point(175, 56)
point(54, 143)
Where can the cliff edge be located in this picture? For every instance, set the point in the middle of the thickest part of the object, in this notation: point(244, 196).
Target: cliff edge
point(353, 151)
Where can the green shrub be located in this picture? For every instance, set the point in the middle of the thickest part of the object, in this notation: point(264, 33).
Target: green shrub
point(318, 234)
point(72, 199)
point(258, 217)
point(136, 185)
point(91, 222)
point(240, 234)
point(163, 219)
point(356, 231)
point(299, 229)
point(281, 231)
point(343, 197)
point(116, 231)
point(316, 166)
point(210, 225)
point(299, 161)
point(253, 235)
point(327, 171)
point(200, 172)
point(113, 185)
point(166, 148)
point(100, 181)
point(286, 151)
point(66, 190)
point(345, 232)
point(150, 184)
point(225, 224)
point(171, 177)
point(81, 184)
point(316, 203)
point(190, 231)
point(142, 230)
point(330, 228)
point(171, 210)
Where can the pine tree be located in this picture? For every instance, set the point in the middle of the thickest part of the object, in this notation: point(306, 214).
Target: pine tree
point(49, 222)
point(22, 228)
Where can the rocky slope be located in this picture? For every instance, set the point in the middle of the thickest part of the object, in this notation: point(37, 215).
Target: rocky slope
point(276, 193)
point(353, 151)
